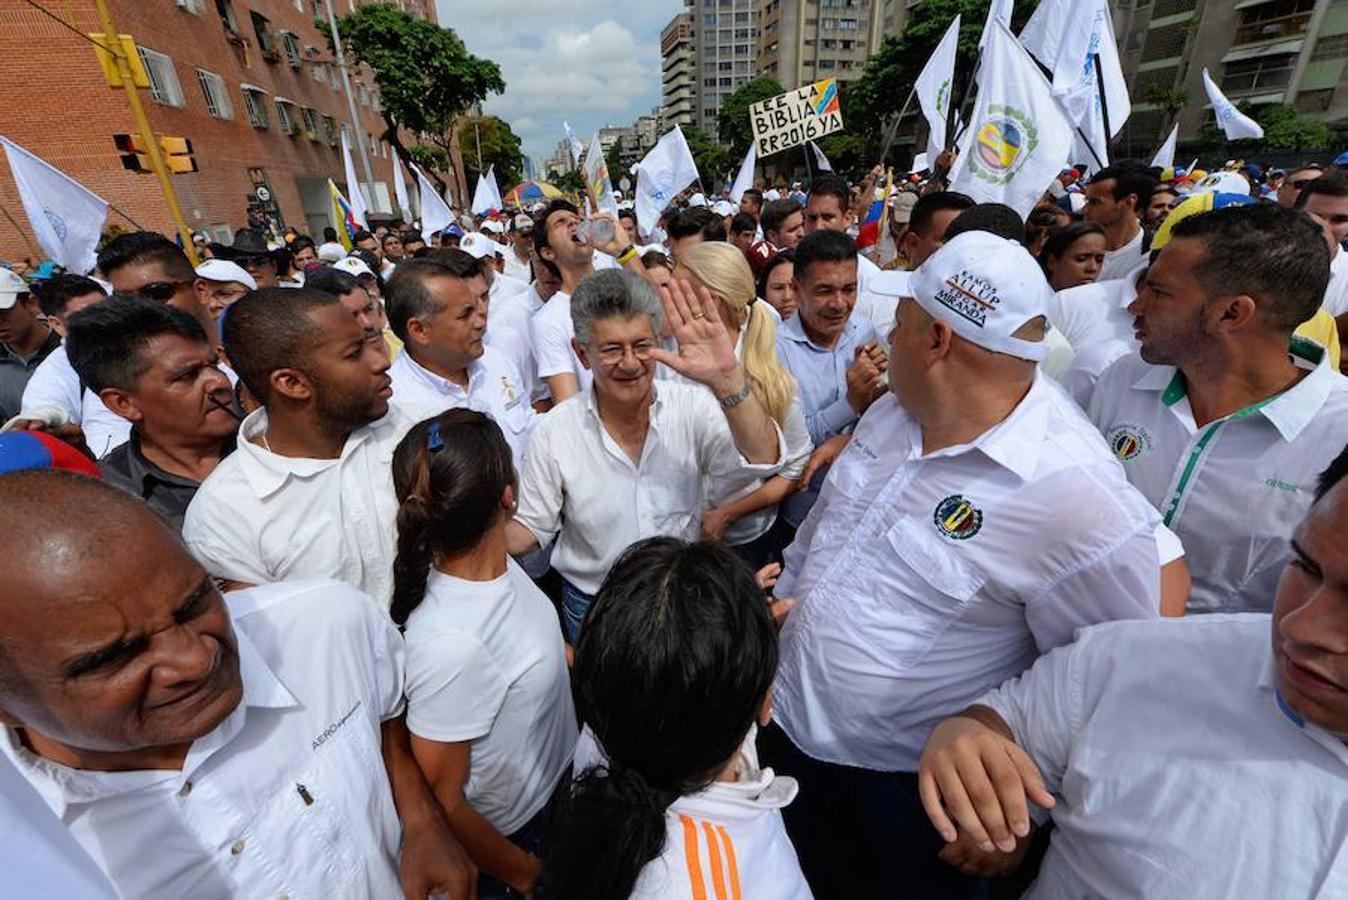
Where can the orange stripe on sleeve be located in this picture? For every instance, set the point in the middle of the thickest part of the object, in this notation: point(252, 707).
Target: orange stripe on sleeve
point(690, 853)
point(730, 862)
point(714, 851)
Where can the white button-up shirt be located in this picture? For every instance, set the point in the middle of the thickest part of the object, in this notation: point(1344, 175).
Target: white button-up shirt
point(580, 486)
point(510, 329)
point(1234, 489)
point(923, 581)
point(261, 517)
point(287, 796)
point(494, 388)
point(1177, 770)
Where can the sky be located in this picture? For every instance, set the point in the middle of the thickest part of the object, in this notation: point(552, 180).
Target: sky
point(585, 62)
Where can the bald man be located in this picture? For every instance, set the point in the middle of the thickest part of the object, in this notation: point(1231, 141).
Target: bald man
point(194, 749)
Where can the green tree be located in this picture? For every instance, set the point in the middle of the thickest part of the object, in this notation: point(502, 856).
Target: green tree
point(500, 148)
point(1284, 129)
point(713, 161)
point(425, 75)
point(570, 182)
point(732, 121)
point(1169, 100)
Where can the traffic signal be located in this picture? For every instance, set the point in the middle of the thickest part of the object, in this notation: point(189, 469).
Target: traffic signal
point(134, 157)
point(178, 158)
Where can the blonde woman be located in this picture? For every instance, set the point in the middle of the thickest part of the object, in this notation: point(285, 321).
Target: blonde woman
point(744, 515)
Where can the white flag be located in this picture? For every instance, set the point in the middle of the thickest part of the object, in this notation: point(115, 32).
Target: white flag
point(934, 86)
point(820, 160)
point(1019, 138)
point(577, 149)
point(597, 182)
point(487, 196)
point(666, 170)
point(436, 215)
point(998, 11)
point(1233, 123)
point(354, 195)
point(1165, 157)
point(1068, 37)
point(65, 215)
point(400, 191)
point(745, 179)
point(920, 163)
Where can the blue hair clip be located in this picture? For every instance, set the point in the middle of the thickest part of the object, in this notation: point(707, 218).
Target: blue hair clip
point(434, 442)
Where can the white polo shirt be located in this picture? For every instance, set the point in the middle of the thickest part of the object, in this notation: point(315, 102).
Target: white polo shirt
point(1093, 313)
point(1120, 262)
point(494, 388)
point(1177, 770)
point(287, 796)
point(261, 517)
point(553, 331)
point(923, 581)
point(579, 486)
point(56, 383)
point(514, 267)
point(1234, 489)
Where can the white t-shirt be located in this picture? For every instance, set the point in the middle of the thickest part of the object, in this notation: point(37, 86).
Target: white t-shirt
point(521, 270)
point(486, 664)
point(1336, 295)
point(553, 331)
point(1125, 259)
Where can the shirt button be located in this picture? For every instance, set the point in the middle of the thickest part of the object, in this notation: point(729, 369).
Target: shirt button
point(185, 789)
point(237, 847)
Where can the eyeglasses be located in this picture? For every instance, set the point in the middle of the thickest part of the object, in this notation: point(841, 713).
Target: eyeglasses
point(158, 291)
point(612, 354)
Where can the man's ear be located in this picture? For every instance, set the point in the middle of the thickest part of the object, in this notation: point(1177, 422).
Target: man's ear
point(292, 384)
point(581, 353)
point(942, 339)
point(122, 404)
point(1234, 313)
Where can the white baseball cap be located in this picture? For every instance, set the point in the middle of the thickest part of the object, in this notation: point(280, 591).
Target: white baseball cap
point(11, 286)
point(478, 245)
point(724, 208)
point(223, 270)
point(523, 223)
point(985, 288)
point(697, 200)
point(1222, 183)
point(772, 194)
point(353, 265)
point(331, 252)
point(493, 226)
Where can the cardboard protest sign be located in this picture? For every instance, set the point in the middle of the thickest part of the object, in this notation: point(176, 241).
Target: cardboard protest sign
point(792, 118)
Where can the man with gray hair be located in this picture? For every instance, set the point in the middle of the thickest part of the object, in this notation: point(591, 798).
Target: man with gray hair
point(625, 460)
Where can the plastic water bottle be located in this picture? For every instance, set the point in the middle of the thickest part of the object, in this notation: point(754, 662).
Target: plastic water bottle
point(596, 232)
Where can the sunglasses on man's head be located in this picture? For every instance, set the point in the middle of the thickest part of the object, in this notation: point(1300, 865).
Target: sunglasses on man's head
point(159, 291)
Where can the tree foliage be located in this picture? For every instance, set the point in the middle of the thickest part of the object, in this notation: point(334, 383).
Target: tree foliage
point(713, 161)
point(1284, 129)
point(732, 121)
point(425, 75)
point(500, 148)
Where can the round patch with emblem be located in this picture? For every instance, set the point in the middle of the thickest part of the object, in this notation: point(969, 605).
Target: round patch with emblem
point(957, 518)
point(1129, 442)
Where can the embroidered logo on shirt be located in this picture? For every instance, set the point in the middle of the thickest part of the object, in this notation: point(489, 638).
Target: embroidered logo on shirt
point(322, 737)
point(1129, 442)
point(509, 391)
point(957, 518)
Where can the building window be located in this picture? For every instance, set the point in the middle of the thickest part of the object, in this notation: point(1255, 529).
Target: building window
point(256, 104)
point(217, 98)
point(1273, 21)
point(164, 86)
point(1166, 42)
point(1265, 73)
point(848, 25)
point(225, 10)
point(285, 118)
point(1335, 47)
point(193, 6)
point(292, 48)
point(330, 130)
point(310, 123)
point(266, 38)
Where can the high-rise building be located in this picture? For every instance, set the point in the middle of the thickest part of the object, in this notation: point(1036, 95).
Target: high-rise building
point(802, 41)
point(678, 71)
point(725, 37)
point(1293, 52)
point(251, 84)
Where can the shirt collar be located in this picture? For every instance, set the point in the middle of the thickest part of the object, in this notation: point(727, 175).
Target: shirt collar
point(1016, 442)
point(51, 343)
point(1268, 682)
point(266, 472)
point(1290, 412)
point(440, 383)
point(793, 331)
point(141, 470)
point(62, 787)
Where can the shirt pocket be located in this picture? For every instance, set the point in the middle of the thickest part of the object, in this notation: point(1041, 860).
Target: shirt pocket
point(675, 506)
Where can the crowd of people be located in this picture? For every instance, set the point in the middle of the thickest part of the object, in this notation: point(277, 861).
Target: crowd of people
point(550, 558)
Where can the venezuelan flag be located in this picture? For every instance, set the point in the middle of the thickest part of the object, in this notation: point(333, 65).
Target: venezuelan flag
point(341, 213)
point(870, 226)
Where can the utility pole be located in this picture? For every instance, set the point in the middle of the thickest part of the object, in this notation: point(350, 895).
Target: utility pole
point(351, 107)
point(113, 44)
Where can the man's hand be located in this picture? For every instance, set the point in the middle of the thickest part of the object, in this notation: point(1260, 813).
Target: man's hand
point(433, 863)
point(618, 246)
point(706, 354)
point(714, 524)
point(971, 773)
point(964, 855)
point(865, 381)
point(823, 455)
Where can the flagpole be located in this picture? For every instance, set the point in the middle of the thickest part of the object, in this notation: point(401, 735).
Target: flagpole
point(894, 131)
point(1104, 101)
point(113, 45)
point(350, 101)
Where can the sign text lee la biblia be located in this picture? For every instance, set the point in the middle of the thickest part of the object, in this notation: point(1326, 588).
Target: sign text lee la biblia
point(792, 118)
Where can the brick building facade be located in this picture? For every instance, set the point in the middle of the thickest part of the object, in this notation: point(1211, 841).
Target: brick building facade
point(250, 82)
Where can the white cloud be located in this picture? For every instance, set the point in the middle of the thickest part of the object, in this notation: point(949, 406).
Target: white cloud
point(586, 62)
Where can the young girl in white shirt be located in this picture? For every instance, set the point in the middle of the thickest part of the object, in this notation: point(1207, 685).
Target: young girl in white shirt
point(488, 695)
point(672, 671)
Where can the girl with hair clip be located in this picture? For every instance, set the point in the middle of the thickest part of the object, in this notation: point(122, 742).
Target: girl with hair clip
point(488, 696)
point(744, 514)
point(673, 670)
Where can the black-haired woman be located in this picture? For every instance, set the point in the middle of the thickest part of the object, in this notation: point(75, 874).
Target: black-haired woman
point(672, 672)
point(488, 696)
